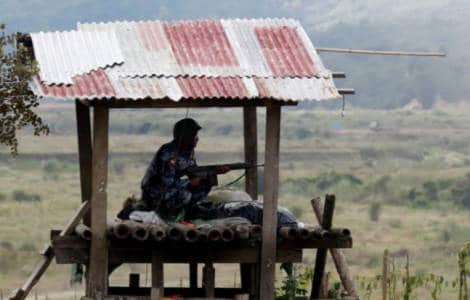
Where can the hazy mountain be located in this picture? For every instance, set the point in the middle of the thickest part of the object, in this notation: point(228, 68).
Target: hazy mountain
point(421, 25)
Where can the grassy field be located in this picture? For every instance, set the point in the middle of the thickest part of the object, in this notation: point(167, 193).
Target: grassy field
point(401, 179)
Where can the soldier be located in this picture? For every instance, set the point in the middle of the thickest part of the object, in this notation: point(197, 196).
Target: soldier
point(164, 189)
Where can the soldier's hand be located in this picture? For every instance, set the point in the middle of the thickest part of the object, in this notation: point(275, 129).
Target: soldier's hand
point(195, 181)
point(223, 169)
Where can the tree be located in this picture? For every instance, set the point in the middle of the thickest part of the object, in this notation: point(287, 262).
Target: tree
point(17, 102)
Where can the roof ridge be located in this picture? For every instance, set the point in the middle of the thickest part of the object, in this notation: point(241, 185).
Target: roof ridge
point(186, 21)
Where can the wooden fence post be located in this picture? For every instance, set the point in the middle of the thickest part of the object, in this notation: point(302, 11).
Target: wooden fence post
point(337, 255)
point(385, 275)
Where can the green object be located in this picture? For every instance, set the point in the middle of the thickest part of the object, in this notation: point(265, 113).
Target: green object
point(180, 216)
point(76, 274)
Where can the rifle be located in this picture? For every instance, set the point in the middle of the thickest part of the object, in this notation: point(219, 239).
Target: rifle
point(210, 172)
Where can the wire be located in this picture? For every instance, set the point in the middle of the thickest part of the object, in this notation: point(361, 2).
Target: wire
point(231, 182)
point(343, 106)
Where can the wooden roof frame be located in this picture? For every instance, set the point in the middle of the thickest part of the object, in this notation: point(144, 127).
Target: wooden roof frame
point(93, 146)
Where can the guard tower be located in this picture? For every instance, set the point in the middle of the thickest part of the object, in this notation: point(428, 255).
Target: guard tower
point(241, 64)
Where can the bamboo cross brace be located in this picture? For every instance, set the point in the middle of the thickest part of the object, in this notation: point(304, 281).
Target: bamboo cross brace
point(337, 255)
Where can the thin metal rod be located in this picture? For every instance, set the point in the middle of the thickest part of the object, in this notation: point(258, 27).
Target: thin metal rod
point(379, 52)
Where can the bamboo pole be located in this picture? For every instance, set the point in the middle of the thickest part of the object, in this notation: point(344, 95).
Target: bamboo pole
point(158, 233)
point(190, 235)
point(379, 52)
point(338, 256)
point(140, 232)
point(242, 232)
point(120, 230)
point(227, 234)
point(83, 231)
point(255, 231)
point(288, 233)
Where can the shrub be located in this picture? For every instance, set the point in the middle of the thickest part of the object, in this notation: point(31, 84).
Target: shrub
point(465, 199)
point(144, 128)
point(224, 130)
point(22, 196)
point(118, 167)
point(374, 211)
point(52, 169)
point(431, 190)
point(302, 133)
point(27, 246)
point(6, 245)
point(3, 197)
point(52, 166)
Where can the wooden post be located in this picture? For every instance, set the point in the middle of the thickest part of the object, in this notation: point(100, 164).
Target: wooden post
point(193, 275)
point(250, 133)
point(250, 138)
point(271, 181)
point(84, 152)
point(98, 264)
point(385, 275)
point(320, 260)
point(209, 280)
point(157, 290)
point(337, 255)
point(134, 280)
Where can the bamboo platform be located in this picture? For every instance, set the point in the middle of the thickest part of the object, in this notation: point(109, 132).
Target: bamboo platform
point(175, 248)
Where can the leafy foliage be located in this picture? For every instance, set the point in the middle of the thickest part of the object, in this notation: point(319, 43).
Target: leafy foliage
point(16, 99)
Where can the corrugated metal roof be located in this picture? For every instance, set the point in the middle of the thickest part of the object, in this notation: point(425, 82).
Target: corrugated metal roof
point(62, 55)
point(263, 48)
point(100, 84)
point(271, 58)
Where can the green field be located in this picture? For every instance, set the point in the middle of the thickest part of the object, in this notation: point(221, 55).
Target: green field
point(402, 181)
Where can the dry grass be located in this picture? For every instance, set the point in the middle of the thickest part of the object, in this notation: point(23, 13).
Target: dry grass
point(432, 236)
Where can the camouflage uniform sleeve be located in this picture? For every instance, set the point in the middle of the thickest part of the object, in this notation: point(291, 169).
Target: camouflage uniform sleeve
point(167, 170)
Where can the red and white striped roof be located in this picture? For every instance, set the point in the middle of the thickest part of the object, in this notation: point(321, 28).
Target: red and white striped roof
point(259, 58)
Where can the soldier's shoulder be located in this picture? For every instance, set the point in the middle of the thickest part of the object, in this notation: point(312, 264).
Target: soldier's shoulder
point(166, 151)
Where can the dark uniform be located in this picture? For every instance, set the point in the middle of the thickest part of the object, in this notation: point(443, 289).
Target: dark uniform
point(164, 188)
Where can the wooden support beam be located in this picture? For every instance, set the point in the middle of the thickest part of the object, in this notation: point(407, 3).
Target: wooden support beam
point(338, 74)
point(84, 152)
point(185, 103)
point(209, 280)
point(97, 280)
point(185, 293)
point(271, 182)
point(157, 290)
point(48, 255)
point(346, 91)
point(250, 134)
point(320, 260)
point(338, 256)
point(193, 275)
